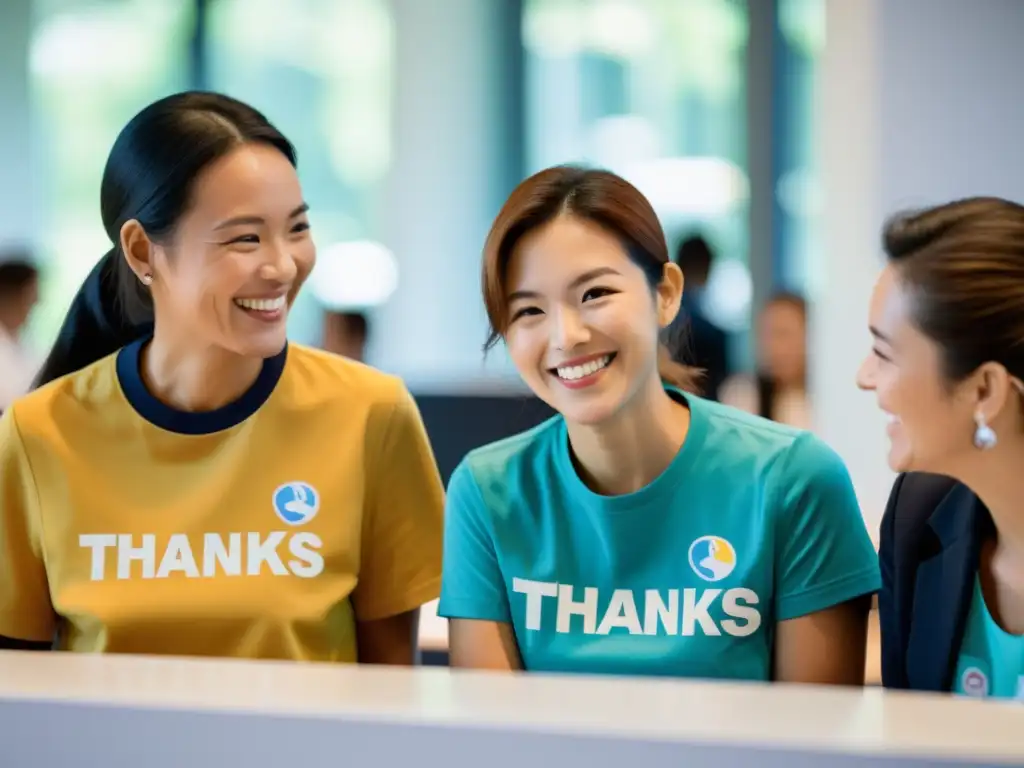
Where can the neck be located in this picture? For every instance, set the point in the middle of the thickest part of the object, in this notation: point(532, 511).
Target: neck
point(630, 450)
point(996, 478)
point(191, 382)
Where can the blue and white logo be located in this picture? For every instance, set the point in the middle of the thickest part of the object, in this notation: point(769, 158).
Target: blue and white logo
point(712, 558)
point(296, 503)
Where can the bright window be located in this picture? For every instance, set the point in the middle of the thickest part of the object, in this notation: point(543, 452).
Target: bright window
point(94, 64)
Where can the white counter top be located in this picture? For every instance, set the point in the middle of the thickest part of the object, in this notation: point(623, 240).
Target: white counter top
point(826, 722)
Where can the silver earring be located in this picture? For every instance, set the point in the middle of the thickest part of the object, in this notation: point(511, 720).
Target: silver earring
point(147, 279)
point(984, 436)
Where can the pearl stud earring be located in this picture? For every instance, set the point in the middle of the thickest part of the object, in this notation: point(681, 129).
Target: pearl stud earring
point(984, 436)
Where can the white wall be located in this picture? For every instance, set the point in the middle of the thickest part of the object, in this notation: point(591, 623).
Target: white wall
point(920, 103)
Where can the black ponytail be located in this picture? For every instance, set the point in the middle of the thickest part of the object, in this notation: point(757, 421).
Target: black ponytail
point(96, 324)
point(148, 178)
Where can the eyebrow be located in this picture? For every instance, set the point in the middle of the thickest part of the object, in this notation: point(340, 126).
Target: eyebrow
point(577, 281)
point(879, 335)
point(238, 221)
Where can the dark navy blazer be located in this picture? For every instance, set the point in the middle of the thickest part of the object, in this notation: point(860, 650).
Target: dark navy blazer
point(931, 540)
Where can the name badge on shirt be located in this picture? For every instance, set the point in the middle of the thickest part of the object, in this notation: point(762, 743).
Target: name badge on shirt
point(974, 680)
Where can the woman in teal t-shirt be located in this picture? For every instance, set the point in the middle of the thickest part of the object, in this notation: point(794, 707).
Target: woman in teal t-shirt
point(643, 530)
point(947, 367)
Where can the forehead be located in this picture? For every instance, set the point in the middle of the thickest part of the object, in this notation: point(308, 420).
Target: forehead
point(252, 179)
point(890, 305)
point(562, 249)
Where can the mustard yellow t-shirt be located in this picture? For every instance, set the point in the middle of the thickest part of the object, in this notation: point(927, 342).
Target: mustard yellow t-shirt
point(265, 529)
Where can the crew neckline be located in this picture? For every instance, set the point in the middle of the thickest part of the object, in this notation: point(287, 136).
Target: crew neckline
point(657, 488)
point(1005, 637)
point(129, 374)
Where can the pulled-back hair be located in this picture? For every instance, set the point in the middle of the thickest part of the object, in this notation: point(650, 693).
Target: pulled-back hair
point(962, 264)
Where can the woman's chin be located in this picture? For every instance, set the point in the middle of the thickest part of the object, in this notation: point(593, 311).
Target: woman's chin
point(900, 459)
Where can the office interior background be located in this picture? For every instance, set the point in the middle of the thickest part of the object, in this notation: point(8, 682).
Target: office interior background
point(783, 130)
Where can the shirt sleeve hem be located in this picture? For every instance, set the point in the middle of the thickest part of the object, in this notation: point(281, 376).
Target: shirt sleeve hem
point(824, 596)
point(456, 608)
point(409, 600)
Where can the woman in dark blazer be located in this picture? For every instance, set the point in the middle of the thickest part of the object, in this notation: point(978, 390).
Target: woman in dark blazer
point(947, 367)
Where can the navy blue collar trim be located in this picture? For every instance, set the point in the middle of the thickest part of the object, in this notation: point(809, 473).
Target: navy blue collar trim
point(188, 423)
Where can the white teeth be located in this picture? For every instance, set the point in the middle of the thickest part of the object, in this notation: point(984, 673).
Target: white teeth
point(572, 372)
point(893, 418)
point(262, 305)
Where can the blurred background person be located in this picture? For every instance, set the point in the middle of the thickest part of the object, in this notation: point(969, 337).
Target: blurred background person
point(19, 295)
point(778, 388)
point(346, 333)
point(708, 344)
point(350, 281)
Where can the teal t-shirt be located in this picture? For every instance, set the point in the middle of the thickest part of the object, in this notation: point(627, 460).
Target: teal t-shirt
point(991, 660)
point(751, 524)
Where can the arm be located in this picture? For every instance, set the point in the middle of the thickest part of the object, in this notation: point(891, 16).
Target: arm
point(827, 646)
point(473, 594)
point(27, 619)
point(894, 674)
point(827, 570)
point(389, 641)
point(400, 558)
point(489, 645)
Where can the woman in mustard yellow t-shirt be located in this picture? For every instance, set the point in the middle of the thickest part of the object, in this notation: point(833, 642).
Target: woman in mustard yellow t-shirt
point(184, 480)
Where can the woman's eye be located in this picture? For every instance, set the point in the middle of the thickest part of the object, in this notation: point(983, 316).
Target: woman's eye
point(301, 227)
point(597, 293)
point(246, 239)
point(880, 355)
point(524, 312)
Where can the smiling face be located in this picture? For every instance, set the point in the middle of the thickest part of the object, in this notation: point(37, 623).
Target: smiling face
point(583, 319)
point(238, 256)
point(931, 420)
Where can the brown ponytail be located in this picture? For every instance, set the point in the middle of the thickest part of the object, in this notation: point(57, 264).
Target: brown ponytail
point(684, 377)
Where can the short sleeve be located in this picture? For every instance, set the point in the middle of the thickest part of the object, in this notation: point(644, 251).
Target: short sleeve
point(824, 553)
point(400, 559)
point(473, 586)
point(26, 612)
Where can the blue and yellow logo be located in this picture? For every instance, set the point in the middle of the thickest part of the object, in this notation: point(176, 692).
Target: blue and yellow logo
point(712, 558)
point(296, 503)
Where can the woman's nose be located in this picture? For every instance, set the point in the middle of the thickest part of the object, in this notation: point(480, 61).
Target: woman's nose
point(568, 331)
point(866, 373)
